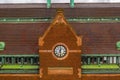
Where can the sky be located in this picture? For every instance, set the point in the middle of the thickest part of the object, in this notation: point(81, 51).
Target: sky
point(59, 1)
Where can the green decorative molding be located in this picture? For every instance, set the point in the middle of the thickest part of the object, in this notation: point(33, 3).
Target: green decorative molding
point(13, 55)
point(100, 66)
point(92, 55)
point(9, 71)
point(79, 19)
point(18, 67)
point(36, 55)
point(103, 71)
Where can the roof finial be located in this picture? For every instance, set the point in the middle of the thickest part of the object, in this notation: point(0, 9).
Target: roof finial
point(48, 3)
point(60, 10)
point(72, 3)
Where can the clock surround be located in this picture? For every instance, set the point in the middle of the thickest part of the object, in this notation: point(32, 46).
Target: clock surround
point(62, 52)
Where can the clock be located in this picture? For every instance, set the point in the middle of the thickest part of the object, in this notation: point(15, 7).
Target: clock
point(60, 51)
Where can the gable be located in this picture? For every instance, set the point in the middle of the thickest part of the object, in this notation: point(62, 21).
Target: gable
point(60, 31)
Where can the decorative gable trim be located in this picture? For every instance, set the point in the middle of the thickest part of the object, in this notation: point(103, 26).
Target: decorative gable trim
point(60, 19)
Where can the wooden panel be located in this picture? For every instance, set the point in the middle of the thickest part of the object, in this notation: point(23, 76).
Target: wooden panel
point(60, 71)
point(19, 77)
point(100, 76)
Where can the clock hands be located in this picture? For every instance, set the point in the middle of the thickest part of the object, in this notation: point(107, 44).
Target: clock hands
point(60, 51)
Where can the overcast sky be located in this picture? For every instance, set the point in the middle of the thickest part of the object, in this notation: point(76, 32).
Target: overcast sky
point(56, 1)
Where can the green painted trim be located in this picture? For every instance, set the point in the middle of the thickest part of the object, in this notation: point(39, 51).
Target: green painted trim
point(101, 55)
point(89, 60)
point(17, 66)
point(3, 61)
point(108, 59)
point(103, 71)
point(36, 55)
point(31, 59)
point(118, 45)
point(80, 20)
point(13, 60)
point(72, 3)
point(117, 60)
point(2, 46)
point(48, 3)
point(36, 71)
point(22, 60)
point(100, 66)
point(98, 60)
point(25, 55)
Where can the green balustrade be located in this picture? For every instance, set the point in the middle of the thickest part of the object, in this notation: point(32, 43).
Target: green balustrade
point(108, 60)
point(22, 60)
point(89, 60)
point(18, 55)
point(3, 61)
point(13, 60)
point(117, 60)
point(98, 60)
point(31, 60)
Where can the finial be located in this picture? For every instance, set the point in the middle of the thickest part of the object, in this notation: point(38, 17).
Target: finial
point(60, 10)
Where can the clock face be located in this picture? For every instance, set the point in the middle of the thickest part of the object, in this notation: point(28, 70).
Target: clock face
point(60, 51)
